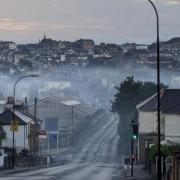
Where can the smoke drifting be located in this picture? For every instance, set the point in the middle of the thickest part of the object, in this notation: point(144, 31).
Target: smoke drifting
point(93, 85)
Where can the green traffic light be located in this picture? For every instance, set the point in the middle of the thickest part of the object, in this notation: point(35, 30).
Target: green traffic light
point(134, 136)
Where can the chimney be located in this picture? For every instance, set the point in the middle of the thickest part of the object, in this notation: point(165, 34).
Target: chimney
point(9, 103)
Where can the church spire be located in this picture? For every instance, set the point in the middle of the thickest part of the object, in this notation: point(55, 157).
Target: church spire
point(44, 36)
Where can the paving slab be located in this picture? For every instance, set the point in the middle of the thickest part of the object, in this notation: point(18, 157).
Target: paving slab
point(139, 174)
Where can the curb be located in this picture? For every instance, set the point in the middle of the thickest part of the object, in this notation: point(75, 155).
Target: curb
point(18, 170)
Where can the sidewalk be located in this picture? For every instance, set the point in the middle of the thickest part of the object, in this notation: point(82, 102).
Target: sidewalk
point(139, 174)
point(23, 169)
point(16, 170)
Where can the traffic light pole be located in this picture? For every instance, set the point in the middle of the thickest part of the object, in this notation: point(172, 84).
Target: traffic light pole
point(72, 123)
point(134, 137)
point(132, 160)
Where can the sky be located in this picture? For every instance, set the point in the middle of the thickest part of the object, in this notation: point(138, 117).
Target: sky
point(109, 21)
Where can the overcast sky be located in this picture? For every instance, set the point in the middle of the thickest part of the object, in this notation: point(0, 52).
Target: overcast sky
point(115, 21)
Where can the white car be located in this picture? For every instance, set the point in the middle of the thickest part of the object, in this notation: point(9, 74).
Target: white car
point(2, 157)
point(127, 163)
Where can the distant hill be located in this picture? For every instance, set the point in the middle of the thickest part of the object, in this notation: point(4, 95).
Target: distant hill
point(174, 40)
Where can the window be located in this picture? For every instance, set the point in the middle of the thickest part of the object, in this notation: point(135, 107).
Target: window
point(148, 142)
point(51, 124)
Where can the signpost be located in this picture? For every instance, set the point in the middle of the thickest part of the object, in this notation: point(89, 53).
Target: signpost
point(14, 126)
point(42, 134)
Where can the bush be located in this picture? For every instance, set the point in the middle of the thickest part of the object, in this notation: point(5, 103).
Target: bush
point(165, 151)
point(2, 132)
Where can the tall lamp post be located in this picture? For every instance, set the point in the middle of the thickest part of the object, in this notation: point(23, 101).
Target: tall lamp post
point(158, 94)
point(14, 93)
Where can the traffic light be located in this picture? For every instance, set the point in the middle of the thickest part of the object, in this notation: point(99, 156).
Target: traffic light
point(135, 131)
point(133, 158)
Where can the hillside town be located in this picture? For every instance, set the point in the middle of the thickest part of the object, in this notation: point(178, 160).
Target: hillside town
point(48, 54)
point(89, 90)
point(64, 107)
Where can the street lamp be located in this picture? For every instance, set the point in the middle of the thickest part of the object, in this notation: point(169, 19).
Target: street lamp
point(14, 93)
point(158, 94)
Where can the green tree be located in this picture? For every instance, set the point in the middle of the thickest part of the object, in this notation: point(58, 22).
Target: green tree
point(26, 63)
point(129, 94)
point(165, 151)
point(2, 133)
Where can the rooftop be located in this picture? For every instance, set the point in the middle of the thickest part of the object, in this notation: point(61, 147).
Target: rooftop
point(69, 102)
point(170, 102)
point(7, 116)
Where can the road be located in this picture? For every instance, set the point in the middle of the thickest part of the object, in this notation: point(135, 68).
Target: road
point(96, 158)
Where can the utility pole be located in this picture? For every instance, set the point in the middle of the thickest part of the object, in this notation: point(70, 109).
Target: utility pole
point(35, 126)
point(72, 125)
point(48, 143)
point(132, 160)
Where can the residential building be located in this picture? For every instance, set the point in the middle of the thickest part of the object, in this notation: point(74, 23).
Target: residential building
point(8, 45)
point(2, 103)
point(22, 136)
point(128, 46)
point(61, 45)
point(18, 57)
point(63, 58)
point(85, 44)
point(141, 46)
point(147, 119)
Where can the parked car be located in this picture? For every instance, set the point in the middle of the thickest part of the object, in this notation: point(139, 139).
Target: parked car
point(2, 159)
point(127, 163)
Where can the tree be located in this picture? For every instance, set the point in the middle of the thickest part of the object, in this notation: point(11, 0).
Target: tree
point(129, 94)
point(26, 63)
point(2, 133)
point(165, 151)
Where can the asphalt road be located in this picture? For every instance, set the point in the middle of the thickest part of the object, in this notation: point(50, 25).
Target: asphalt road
point(97, 158)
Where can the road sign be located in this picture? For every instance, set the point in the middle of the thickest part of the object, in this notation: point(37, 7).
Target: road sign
point(14, 126)
point(42, 134)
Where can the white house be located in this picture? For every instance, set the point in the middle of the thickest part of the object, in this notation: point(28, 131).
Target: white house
point(147, 116)
point(172, 124)
point(12, 45)
point(63, 58)
point(21, 137)
point(8, 44)
point(141, 46)
point(170, 120)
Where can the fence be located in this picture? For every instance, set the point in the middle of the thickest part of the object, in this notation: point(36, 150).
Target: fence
point(25, 161)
